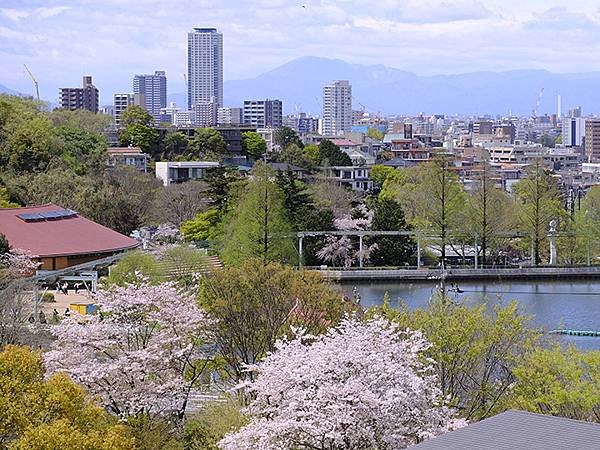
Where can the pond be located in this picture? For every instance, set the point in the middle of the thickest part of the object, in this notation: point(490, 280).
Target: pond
point(571, 304)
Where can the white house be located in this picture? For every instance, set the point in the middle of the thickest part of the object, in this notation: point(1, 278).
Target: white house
point(181, 171)
point(355, 177)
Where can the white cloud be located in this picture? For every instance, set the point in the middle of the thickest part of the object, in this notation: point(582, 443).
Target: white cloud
point(114, 39)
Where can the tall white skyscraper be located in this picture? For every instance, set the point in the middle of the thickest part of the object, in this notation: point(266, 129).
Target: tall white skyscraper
point(337, 108)
point(154, 90)
point(205, 67)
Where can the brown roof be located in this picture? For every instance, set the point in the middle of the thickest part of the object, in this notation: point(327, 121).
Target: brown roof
point(117, 150)
point(74, 235)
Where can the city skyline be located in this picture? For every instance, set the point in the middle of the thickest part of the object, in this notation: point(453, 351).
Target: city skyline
point(60, 42)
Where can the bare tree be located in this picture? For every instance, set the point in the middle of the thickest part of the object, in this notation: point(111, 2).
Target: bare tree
point(180, 202)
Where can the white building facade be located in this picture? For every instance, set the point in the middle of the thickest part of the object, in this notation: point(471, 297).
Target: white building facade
point(205, 67)
point(171, 172)
point(337, 108)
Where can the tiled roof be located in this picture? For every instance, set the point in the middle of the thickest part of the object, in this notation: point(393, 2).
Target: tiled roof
point(519, 430)
point(64, 236)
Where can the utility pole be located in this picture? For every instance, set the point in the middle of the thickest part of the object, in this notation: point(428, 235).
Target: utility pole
point(35, 82)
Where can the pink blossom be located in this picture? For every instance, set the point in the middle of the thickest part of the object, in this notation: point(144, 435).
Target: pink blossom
point(361, 385)
point(18, 263)
point(142, 353)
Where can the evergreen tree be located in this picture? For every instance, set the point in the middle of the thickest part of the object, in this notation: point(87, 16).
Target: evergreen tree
point(391, 250)
point(332, 153)
point(257, 225)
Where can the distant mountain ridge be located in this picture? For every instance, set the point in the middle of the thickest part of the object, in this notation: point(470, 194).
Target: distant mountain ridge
point(386, 90)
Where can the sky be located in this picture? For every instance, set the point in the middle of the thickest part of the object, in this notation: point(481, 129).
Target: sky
point(61, 40)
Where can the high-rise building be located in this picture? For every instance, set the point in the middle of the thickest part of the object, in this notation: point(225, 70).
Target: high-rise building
point(205, 67)
point(122, 101)
point(592, 139)
point(263, 113)
point(154, 90)
point(573, 131)
point(229, 116)
point(85, 97)
point(337, 108)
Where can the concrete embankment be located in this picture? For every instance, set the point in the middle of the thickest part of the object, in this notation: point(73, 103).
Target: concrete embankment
point(425, 275)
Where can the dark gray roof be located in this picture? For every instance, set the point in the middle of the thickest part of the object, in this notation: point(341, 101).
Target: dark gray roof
point(284, 167)
point(519, 430)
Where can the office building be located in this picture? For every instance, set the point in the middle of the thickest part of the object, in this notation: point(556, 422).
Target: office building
point(154, 90)
point(229, 116)
point(205, 67)
point(85, 97)
point(483, 127)
point(263, 113)
point(573, 131)
point(337, 108)
point(205, 114)
point(592, 140)
point(122, 101)
point(167, 114)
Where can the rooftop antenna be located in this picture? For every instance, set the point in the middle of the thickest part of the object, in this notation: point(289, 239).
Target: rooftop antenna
point(35, 82)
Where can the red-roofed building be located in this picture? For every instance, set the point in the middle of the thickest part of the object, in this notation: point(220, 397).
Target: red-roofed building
point(60, 237)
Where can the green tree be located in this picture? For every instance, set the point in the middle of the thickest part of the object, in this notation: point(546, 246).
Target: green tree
point(312, 152)
point(253, 145)
point(379, 173)
point(133, 265)
point(440, 197)
point(219, 181)
point(587, 226)
point(295, 156)
point(557, 381)
point(211, 423)
point(474, 349)
point(331, 153)
point(539, 204)
point(490, 212)
point(391, 250)
point(175, 144)
point(38, 413)
point(80, 119)
point(374, 133)
point(257, 303)
point(304, 214)
point(207, 143)
point(257, 224)
point(138, 135)
point(285, 136)
point(135, 115)
point(30, 145)
point(82, 150)
point(202, 227)
point(5, 199)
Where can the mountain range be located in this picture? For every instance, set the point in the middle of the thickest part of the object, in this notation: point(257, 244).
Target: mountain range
point(386, 90)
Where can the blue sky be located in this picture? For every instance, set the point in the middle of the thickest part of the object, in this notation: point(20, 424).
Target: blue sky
point(61, 40)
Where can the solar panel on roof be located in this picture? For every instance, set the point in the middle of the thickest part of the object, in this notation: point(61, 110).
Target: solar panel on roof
point(31, 217)
point(48, 215)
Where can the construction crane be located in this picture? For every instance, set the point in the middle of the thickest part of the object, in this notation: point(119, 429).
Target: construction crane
point(35, 82)
point(537, 104)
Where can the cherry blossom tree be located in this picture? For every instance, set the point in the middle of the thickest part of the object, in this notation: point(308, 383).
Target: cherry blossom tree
point(340, 251)
point(144, 353)
point(17, 263)
point(361, 385)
